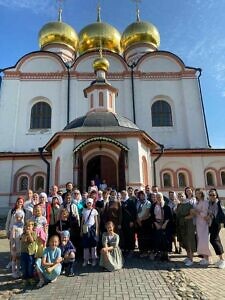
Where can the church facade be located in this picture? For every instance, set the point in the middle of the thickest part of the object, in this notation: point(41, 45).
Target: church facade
point(107, 105)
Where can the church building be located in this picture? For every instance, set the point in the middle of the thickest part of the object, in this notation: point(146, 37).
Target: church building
point(107, 105)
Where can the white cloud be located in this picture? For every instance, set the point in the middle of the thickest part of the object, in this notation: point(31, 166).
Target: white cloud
point(37, 6)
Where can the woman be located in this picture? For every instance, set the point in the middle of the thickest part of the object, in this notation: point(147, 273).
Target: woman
point(186, 227)
point(190, 196)
point(162, 225)
point(113, 211)
point(216, 217)
point(52, 215)
point(202, 227)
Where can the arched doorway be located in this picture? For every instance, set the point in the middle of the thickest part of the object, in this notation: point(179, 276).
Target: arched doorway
point(105, 168)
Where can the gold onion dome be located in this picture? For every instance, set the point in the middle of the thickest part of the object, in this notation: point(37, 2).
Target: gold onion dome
point(100, 63)
point(140, 32)
point(58, 33)
point(99, 35)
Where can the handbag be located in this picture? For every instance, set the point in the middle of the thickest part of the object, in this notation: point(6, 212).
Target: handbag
point(85, 228)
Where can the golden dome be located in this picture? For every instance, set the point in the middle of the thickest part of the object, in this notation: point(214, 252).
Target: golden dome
point(58, 33)
point(101, 63)
point(99, 35)
point(140, 32)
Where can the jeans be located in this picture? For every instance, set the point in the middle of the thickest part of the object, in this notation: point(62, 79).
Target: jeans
point(27, 265)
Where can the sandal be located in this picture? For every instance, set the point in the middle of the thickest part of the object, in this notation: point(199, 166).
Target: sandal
point(40, 284)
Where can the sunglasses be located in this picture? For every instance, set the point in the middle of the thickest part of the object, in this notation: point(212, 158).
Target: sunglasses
point(212, 195)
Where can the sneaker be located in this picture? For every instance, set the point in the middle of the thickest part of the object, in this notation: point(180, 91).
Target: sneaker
point(9, 265)
point(189, 263)
point(54, 280)
point(221, 265)
point(186, 260)
point(85, 263)
point(218, 262)
point(40, 284)
point(15, 275)
point(94, 263)
point(204, 262)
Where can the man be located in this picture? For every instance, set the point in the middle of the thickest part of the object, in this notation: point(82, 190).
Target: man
point(69, 188)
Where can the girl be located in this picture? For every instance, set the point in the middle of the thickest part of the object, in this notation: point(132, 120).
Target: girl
point(202, 227)
point(49, 267)
point(89, 232)
point(28, 250)
point(186, 227)
point(15, 236)
point(68, 254)
point(111, 256)
point(41, 229)
point(63, 222)
point(19, 207)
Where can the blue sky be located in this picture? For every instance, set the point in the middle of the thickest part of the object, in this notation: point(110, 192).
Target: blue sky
point(192, 29)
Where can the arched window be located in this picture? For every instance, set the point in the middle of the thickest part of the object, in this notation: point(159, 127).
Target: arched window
point(210, 179)
point(167, 182)
point(161, 114)
point(41, 114)
point(39, 183)
point(23, 183)
point(101, 103)
point(182, 182)
point(223, 177)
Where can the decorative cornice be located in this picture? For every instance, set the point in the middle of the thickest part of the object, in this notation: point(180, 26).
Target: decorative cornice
point(22, 155)
point(190, 152)
point(89, 76)
point(35, 75)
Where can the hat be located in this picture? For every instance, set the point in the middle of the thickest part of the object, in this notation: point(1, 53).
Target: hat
point(65, 233)
point(89, 200)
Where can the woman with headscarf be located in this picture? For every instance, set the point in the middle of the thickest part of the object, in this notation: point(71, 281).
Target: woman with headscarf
point(162, 225)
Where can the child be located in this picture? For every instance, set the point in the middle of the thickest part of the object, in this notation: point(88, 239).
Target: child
point(63, 223)
point(49, 267)
point(41, 229)
point(28, 250)
point(15, 235)
point(68, 254)
point(111, 255)
point(89, 232)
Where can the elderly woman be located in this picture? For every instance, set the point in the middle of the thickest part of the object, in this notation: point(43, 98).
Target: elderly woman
point(162, 226)
point(186, 227)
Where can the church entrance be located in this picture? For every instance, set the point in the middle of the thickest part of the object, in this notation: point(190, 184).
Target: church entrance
point(102, 167)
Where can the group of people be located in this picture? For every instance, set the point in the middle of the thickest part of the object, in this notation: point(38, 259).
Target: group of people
point(46, 233)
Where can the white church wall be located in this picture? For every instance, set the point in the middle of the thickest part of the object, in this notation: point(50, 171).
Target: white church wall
point(41, 64)
point(159, 63)
point(134, 170)
point(65, 152)
point(192, 104)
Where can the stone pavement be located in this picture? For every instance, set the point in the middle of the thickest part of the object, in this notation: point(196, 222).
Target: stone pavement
point(139, 279)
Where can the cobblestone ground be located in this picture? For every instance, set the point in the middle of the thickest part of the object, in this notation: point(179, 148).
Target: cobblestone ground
point(139, 279)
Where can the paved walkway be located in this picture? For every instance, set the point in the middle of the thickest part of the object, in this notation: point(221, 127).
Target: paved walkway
point(139, 279)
